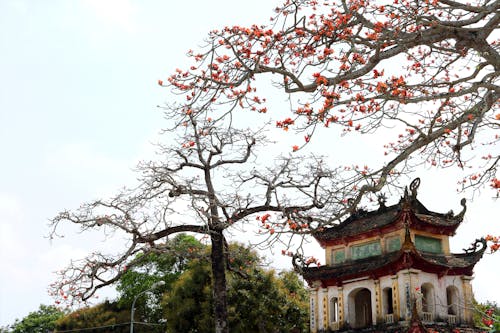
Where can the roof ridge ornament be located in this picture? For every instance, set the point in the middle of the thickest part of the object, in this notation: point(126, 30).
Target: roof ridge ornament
point(408, 245)
point(382, 199)
point(460, 216)
point(408, 198)
point(479, 246)
point(414, 185)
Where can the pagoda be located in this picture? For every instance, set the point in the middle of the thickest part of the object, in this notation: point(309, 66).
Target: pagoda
point(391, 270)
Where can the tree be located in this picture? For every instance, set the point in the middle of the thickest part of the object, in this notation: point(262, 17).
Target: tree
point(40, 321)
point(107, 316)
point(152, 268)
point(260, 300)
point(428, 70)
point(205, 184)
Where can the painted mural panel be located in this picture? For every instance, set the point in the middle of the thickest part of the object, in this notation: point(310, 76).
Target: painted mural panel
point(338, 256)
point(393, 244)
point(366, 250)
point(428, 244)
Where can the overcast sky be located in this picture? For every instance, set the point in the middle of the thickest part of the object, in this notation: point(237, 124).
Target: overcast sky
point(78, 98)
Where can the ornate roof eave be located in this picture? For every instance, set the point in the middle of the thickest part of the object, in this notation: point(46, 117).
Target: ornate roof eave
point(385, 219)
point(389, 264)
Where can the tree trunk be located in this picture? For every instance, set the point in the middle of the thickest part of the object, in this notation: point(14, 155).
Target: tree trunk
point(219, 282)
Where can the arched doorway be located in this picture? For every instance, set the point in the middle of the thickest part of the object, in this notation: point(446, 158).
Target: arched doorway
point(452, 300)
point(360, 308)
point(427, 302)
point(387, 305)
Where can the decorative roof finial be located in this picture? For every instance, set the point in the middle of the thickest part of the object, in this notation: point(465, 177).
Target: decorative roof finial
point(381, 198)
point(407, 243)
point(415, 184)
point(460, 216)
point(479, 246)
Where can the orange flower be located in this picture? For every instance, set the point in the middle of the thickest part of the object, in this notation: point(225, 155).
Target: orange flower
point(265, 217)
point(295, 148)
point(321, 80)
point(381, 87)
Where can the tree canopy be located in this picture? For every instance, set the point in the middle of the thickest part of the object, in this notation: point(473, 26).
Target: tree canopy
point(426, 69)
point(259, 300)
point(152, 268)
point(41, 321)
point(212, 183)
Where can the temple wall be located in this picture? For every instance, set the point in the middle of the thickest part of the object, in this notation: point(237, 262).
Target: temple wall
point(410, 287)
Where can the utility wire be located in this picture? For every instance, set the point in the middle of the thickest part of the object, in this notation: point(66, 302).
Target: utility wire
point(107, 326)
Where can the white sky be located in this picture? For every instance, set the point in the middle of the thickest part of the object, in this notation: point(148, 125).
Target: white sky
point(78, 98)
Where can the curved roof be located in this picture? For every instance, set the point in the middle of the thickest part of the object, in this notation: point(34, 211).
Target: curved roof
point(390, 263)
point(409, 210)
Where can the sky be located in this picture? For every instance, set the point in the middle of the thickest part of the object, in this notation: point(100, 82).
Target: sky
point(78, 110)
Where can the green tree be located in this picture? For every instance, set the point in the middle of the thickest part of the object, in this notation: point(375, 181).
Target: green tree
point(110, 315)
point(41, 321)
point(259, 300)
point(152, 268)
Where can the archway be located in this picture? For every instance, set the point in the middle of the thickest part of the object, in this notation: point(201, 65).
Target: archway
point(427, 290)
point(387, 305)
point(452, 300)
point(360, 308)
point(334, 309)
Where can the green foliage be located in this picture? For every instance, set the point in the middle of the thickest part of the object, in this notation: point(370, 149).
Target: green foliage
point(487, 316)
point(188, 306)
point(40, 321)
point(259, 300)
point(153, 268)
point(107, 314)
point(263, 303)
point(104, 317)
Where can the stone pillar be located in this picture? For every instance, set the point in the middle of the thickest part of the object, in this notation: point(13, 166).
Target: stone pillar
point(325, 306)
point(395, 298)
point(341, 306)
point(378, 302)
point(411, 283)
point(467, 301)
point(313, 310)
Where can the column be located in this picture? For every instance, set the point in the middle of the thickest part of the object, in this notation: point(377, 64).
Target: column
point(378, 302)
point(341, 306)
point(325, 310)
point(467, 301)
point(313, 303)
point(395, 297)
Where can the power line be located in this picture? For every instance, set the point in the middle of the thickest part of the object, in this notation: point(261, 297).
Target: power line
point(108, 326)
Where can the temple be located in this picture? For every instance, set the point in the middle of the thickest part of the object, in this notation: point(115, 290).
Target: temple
point(391, 270)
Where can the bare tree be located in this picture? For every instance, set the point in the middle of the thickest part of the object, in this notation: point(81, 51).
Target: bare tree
point(427, 68)
point(205, 183)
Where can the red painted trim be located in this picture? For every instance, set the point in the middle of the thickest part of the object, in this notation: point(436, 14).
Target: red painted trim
point(405, 261)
